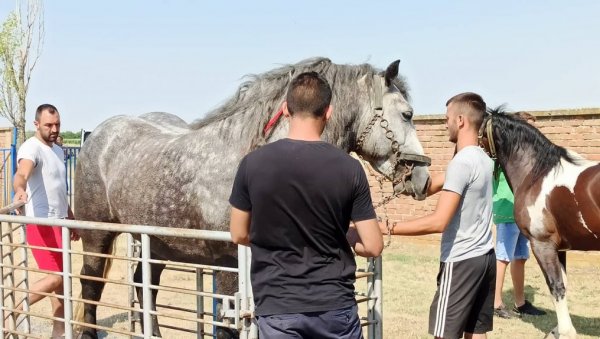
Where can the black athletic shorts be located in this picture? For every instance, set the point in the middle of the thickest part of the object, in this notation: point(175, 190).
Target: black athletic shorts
point(464, 301)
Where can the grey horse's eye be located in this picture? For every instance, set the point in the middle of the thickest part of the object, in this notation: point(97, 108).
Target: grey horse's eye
point(407, 114)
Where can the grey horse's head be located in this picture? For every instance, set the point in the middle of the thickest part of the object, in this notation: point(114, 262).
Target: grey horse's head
point(387, 137)
point(371, 116)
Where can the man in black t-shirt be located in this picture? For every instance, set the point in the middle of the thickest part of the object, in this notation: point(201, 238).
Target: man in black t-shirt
point(292, 203)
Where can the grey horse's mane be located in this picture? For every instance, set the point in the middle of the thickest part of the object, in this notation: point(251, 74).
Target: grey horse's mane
point(261, 96)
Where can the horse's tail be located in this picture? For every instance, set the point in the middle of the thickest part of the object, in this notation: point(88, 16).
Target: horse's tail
point(78, 314)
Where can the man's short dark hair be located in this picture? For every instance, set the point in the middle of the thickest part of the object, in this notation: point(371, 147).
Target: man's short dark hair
point(309, 93)
point(45, 107)
point(471, 105)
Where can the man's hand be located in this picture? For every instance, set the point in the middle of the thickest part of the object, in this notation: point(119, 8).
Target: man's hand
point(20, 196)
point(74, 235)
point(24, 170)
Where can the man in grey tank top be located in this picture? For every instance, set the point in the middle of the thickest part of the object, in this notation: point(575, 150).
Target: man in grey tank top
point(464, 301)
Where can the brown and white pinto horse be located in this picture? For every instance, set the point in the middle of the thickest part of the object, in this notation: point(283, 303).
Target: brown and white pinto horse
point(557, 199)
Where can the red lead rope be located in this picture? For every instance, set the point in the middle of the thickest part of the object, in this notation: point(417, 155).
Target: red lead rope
point(272, 122)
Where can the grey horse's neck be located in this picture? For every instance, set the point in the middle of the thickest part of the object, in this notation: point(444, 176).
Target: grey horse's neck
point(341, 130)
point(242, 118)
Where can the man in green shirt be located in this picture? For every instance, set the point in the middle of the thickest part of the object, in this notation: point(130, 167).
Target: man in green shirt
point(511, 246)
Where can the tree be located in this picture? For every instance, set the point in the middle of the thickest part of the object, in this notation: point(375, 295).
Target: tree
point(21, 40)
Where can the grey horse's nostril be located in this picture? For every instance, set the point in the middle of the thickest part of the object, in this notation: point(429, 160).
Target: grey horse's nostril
point(407, 114)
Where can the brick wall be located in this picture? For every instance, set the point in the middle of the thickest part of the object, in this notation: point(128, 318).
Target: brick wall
point(6, 137)
point(578, 130)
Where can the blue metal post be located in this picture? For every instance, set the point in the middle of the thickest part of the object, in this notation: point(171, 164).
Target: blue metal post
point(13, 155)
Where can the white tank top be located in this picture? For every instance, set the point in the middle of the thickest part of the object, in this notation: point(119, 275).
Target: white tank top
point(47, 185)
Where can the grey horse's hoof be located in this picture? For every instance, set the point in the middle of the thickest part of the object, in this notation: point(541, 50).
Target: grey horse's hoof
point(226, 333)
point(88, 335)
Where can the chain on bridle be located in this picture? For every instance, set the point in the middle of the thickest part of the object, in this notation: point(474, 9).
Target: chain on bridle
point(403, 162)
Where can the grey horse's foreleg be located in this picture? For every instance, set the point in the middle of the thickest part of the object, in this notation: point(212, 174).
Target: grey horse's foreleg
point(155, 280)
point(93, 242)
point(554, 271)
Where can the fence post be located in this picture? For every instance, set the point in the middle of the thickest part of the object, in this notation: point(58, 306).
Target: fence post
point(13, 156)
point(68, 305)
point(200, 303)
point(26, 306)
point(146, 291)
point(2, 274)
point(131, 253)
point(379, 291)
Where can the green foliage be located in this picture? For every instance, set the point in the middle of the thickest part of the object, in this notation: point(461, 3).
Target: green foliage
point(66, 134)
point(9, 35)
point(21, 40)
point(71, 135)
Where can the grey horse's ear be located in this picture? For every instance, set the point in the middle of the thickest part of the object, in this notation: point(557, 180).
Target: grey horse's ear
point(391, 73)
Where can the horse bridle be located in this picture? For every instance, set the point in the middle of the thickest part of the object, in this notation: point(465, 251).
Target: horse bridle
point(486, 128)
point(403, 160)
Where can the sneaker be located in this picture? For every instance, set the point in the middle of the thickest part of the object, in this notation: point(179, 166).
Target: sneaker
point(502, 312)
point(528, 308)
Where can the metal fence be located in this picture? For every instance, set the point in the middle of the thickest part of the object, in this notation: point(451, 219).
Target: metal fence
point(15, 269)
point(6, 174)
point(70, 164)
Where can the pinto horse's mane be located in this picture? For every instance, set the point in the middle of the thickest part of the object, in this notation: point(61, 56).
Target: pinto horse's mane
point(512, 134)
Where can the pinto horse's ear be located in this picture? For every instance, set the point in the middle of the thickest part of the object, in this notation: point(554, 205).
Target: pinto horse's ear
point(391, 73)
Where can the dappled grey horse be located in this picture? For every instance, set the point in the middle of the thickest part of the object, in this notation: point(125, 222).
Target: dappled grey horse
point(157, 170)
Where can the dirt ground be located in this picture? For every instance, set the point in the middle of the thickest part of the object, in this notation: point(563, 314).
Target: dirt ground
point(410, 268)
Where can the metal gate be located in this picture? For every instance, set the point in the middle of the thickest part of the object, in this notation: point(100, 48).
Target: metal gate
point(15, 270)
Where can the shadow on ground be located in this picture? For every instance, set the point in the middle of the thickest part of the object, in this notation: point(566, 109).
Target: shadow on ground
point(589, 326)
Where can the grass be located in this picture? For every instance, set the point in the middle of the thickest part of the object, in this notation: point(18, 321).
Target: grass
point(410, 266)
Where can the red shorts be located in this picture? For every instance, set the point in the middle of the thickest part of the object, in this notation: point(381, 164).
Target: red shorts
point(46, 236)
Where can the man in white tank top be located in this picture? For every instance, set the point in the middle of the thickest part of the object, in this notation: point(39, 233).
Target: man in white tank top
point(40, 182)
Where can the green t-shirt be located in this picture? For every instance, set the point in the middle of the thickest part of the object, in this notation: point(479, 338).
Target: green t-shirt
point(504, 200)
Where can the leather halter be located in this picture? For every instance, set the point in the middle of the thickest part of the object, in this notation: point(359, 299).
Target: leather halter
point(400, 159)
point(487, 128)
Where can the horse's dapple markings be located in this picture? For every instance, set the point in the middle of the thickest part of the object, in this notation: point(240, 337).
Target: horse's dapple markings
point(157, 170)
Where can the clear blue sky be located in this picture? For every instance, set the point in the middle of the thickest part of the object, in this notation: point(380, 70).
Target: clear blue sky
point(110, 57)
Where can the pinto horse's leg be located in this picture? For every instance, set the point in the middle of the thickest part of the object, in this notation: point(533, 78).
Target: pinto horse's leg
point(155, 280)
point(550, 261)
point(93, 242)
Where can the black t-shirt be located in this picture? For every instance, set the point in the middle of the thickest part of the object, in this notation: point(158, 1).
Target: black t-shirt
point(302, 196)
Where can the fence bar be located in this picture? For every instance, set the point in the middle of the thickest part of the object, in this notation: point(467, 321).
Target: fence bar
point(67, 283)
point(200, 302)
point(243, 314)
point(248, 329)
point(2, 285)
point(26, 306)
point(146, 292)
point(131, 252)
point(9, 279)
point(374, 303)
point(121, 228)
